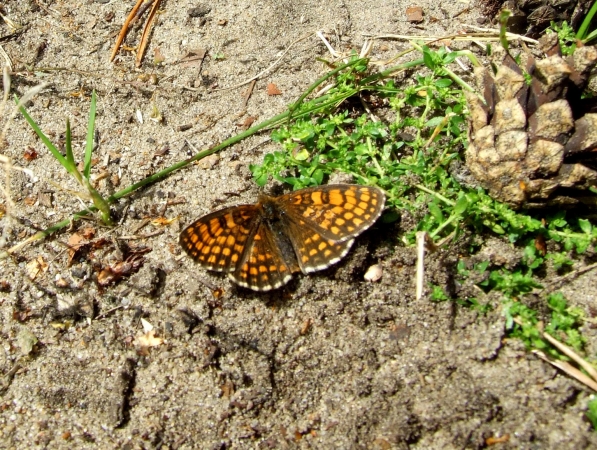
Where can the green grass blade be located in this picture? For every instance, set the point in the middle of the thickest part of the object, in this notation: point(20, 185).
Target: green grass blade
point(69, 153)
point(55, 152)
point(317, 104)
point(584, 26)
point(68, 144)
point(592, 35)
point(327, 76)
point(89, 141)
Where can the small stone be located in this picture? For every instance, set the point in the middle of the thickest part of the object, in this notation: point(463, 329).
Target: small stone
point(78, 272)
point(26, 340)
point(209, 162)
point(199, 11)
point(60, 282)
point(414, 14)
point(374, 273)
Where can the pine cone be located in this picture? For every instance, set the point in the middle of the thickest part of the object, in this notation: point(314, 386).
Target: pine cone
point(535, 142)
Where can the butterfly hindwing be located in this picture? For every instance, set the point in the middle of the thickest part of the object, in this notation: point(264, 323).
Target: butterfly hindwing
point(262, 267)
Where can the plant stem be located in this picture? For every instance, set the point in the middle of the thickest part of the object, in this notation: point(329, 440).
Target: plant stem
point(435, 194)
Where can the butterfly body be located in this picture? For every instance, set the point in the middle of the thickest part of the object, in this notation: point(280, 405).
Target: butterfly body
point(261, 245)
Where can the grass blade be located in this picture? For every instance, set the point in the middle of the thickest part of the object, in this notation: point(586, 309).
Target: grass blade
point(584, 27)
point(89, 141)
point(69, 153)
point(55, 152)
point(68, 145)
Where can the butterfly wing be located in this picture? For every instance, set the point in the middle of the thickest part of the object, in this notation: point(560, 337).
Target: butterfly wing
point(263, 265)
point(317, 228)
point(313, 251)
point(218, 240)
point(324, 220)
point(336, 212)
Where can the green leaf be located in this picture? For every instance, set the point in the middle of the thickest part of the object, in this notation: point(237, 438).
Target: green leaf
point(61, 159)
point(436, 212)
point(585, 226)
point(438, 294)
point(449, 58)
point(261, 180)
point(318, 176)
point(100, 203)
point(443, 82)
point(427, 58)
point(302, 155)
point(434, 122)
point(68, 145)
point(592, 412)
point(557, 302)
point(461, 205)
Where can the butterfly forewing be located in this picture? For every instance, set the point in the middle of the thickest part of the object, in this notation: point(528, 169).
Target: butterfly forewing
point(336, 212)
point(262, 267)
point(217, 241)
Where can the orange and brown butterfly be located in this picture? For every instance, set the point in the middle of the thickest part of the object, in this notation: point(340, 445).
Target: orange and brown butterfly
point(261, 245)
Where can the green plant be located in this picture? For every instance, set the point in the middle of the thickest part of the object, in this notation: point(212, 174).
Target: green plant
point(592, 411)
point(438, 294)
point(410, 158)
point(389, 155)
point(568, 37)
point(68, 160)
point(523, 323)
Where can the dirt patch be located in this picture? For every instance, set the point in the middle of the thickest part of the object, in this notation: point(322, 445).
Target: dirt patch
point(328, 361)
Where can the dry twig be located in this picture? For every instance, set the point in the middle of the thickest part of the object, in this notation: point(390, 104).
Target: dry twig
point(135, 13)
point(589, 380)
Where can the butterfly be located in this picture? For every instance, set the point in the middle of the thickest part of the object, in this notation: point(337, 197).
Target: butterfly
point(260, 246)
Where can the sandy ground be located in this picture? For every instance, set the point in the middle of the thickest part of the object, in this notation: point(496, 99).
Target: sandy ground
point(330, 361)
